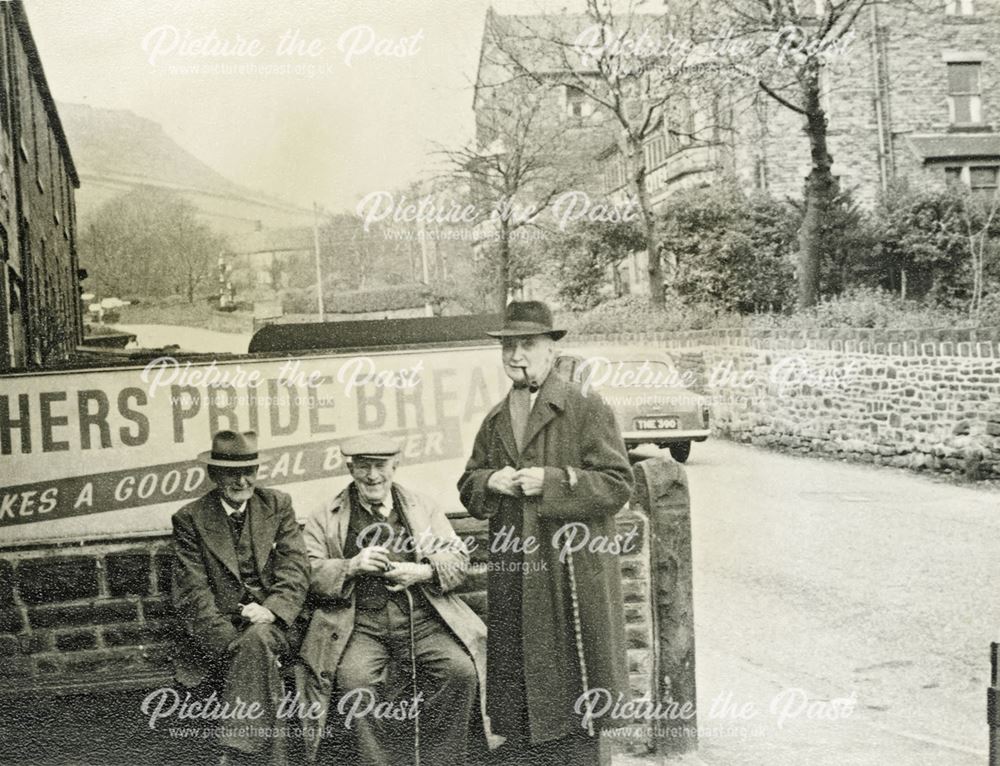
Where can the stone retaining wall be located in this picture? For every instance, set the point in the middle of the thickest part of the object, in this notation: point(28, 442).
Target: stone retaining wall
point(920, 399)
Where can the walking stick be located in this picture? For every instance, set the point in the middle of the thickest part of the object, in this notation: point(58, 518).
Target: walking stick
point(413, 682)
point(993, 704)
point(578, 632)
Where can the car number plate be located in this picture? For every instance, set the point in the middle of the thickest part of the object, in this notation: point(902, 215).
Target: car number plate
point(655, 424)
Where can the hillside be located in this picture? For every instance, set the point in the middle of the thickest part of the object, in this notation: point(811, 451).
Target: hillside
point(119, 142)
point(116, 150)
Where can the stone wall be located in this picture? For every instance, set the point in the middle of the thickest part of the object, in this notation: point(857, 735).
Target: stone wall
point(85, 616)
point(920, 399)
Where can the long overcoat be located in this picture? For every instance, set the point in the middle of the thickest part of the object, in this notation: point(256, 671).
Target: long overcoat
point(332, 623)
point(566, 429)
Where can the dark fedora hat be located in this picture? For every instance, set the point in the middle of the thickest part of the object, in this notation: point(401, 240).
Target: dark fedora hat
point(524, 318)
point(232, 450)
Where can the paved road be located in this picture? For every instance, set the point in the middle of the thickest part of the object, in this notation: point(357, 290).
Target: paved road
point(844, 582)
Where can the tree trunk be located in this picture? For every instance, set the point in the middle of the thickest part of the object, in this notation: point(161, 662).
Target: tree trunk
point(616, 279)
point(654, 267)
point(503, 267)
point(820, 190)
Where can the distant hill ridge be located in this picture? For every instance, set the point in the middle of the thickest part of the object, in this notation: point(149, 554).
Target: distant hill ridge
point(116, 149)
point(118, 142)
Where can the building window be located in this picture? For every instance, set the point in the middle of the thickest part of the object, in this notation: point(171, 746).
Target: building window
point(655, 153)
point(964, 101)
point(760, 174)
point(953, 175)
point(959, 7)
point(614, 173)
point(673, 141)
point(983, 181)
point(577, 104)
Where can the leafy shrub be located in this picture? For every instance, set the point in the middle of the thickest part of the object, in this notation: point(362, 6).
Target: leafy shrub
point(921, 249)
point(856, 308)
point(872, 307)
point(731, 250)
point(580, 258)
point(632, 313)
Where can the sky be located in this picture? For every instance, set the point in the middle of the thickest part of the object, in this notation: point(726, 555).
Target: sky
point(335, 98)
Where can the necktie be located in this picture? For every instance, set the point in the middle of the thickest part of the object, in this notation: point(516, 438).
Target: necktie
point(236, 522)
point(520, 409)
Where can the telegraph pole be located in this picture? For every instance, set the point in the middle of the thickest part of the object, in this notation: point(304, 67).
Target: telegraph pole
point(319, 273)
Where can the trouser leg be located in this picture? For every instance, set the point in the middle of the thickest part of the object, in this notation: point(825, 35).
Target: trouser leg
point(447, 679)
point(360, 684)
point(253, 675)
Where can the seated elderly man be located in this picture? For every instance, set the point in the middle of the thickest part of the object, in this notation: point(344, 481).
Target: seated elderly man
point(388, 640)
point(239, 582)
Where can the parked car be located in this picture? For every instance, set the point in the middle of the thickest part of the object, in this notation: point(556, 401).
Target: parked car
point(654, 403)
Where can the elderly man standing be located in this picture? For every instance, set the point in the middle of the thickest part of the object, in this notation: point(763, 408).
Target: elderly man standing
point(239, 582)
point(547, 456)
point(387, 628)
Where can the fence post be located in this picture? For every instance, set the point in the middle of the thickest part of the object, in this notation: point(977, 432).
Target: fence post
point(661, 488)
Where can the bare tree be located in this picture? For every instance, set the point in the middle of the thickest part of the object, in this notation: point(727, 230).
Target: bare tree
point(519, 165)
point(630, 66)
point(147, 242)
point(788, 50)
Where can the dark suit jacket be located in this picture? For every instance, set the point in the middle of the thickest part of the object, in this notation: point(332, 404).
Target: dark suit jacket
point(206, 581)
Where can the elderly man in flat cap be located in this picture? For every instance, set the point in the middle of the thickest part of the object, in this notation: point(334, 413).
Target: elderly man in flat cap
point(239, 581)
point(388, 639)
point(547, 456)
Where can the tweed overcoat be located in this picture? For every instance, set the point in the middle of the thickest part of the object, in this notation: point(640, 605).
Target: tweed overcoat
point(332, 592)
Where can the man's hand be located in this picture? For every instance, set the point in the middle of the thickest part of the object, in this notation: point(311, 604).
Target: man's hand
point(257, 613)
point(405, 573)
point(371, 560)
point(502, 482)
point(530, 481)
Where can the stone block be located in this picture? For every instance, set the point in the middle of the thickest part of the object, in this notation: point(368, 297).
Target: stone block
point(49, 665)
point(76, 640)
point(163, 566)
point(6, 583)
point(11, 619)
point(37, 642)
point(83, 614)
point(101, 662)
point(157, 608)
point(62, 578)
point(9, 646)
point(128, 573)
point(637, 637)
point(127, 635)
